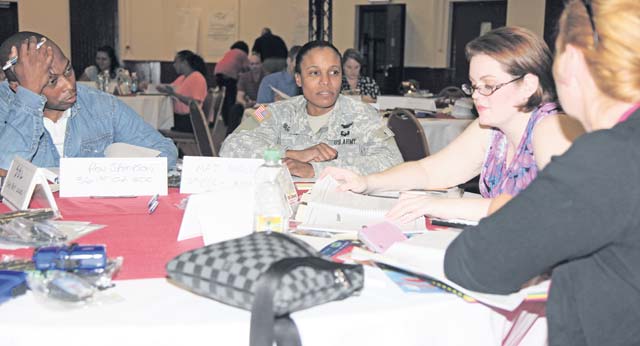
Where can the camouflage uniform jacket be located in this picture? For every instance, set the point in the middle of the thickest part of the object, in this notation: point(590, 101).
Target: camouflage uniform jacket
point(364, 144)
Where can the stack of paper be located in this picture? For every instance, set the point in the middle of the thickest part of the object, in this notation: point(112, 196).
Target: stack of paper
point(331, 210)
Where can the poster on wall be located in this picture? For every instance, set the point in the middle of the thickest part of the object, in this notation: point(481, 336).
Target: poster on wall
point(186, 32)
point(222, 32)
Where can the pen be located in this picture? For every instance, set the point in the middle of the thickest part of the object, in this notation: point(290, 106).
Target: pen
point(14, 60)
point(153, 203)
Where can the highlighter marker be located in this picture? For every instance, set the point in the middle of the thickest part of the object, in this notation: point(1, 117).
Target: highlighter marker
point(14, 60)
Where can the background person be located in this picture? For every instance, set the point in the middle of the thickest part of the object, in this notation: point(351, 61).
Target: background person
point(272, 51)
point(227, 72)
point(44, 115)
point(106, 61)
point(248, 85)
point(283, 81)
point(321, 127)
point(352, 80)
point(515, 135)
point(578, 219)
point(191, 84)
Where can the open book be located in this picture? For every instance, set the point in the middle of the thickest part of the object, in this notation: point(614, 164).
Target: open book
point(332, 210)
point(423, 254)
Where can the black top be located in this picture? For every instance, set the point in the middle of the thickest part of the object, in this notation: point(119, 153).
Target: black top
point(270, 46)
point(579, 218)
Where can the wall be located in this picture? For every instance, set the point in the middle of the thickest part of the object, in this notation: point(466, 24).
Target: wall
point(427, 23)
point(50, 18)
point(151, 24)
point(159, 39)
point(528, 14)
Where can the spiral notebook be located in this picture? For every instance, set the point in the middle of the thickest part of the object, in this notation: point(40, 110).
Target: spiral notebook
point(331, 210)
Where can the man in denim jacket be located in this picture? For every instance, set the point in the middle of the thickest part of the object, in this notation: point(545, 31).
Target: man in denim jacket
point(45, 116)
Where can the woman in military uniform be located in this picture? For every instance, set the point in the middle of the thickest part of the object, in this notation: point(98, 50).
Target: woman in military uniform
point(319, 128)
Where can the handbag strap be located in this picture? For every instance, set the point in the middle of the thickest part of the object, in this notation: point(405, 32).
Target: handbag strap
point(265, 327)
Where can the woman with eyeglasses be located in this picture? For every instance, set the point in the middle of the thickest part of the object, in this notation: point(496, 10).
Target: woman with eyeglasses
point(579, 218)
point(517, 132)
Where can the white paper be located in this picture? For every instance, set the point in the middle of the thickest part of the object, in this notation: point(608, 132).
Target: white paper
point(24, 181)
point(129, 150)
point(420, 103)
point(221, 215)
point(19, 183)
point(186, 29)
point(203, 174)
point(280, 93)
point(221, 31)
point(332, 210)
point(83, 177)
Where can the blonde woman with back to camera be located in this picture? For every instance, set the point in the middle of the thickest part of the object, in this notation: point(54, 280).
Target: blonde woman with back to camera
point(579, 218)
point(517, 132)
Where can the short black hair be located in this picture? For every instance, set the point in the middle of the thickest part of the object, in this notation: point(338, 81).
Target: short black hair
point(241, 45)
point(15, 40)
point(312, 45)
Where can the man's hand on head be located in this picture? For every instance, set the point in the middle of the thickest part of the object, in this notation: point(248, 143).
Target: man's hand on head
point(33, 67)
point(317, 153)
point(299, 168)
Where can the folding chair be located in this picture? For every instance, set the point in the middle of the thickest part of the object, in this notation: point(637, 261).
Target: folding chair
point(409, 135)
point(198, 143)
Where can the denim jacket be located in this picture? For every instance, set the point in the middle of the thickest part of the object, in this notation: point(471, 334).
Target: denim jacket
point(97, 120)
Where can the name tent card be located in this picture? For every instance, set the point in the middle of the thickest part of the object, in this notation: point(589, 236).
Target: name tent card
point(22, 180)
point(106, 177)
point(206, 174)
point(217, 216)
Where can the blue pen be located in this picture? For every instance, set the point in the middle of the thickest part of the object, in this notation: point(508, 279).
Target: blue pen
point(14, 60)
point(153, 203)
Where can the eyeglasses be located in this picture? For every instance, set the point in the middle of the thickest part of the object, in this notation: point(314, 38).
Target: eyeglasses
point(486, 90)
point(587, 5)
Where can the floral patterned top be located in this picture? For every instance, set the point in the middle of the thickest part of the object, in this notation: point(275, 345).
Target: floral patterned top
point(496, 178)
point(366, 85)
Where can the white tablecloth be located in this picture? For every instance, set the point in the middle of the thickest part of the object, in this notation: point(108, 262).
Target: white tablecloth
point(440, 132)
point(154, 312)
point(156, 110)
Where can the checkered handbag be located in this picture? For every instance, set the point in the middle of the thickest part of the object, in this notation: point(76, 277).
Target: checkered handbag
point(270, 274)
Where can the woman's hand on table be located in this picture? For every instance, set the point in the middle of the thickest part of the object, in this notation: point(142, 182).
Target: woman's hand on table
point(412, 206)
point(349, 181)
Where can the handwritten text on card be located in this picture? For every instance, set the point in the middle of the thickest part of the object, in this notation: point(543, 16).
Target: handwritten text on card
point(113, 176)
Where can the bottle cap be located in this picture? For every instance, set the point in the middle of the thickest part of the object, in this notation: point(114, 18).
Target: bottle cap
point(272, 155)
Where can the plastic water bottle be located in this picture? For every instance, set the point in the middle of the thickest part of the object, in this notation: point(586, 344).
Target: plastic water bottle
point(134, 82)
point(270, 210)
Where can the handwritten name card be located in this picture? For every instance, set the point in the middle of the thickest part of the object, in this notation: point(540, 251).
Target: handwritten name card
point(205, 174)
point(82, 177)
point(23, 179)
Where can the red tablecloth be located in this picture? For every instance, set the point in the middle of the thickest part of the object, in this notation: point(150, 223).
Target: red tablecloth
point(147, 242)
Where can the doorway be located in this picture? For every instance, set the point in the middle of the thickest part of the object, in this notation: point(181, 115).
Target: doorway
point(94, 23)
point(9, 19)
point(471, 19)
point(380, 40)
